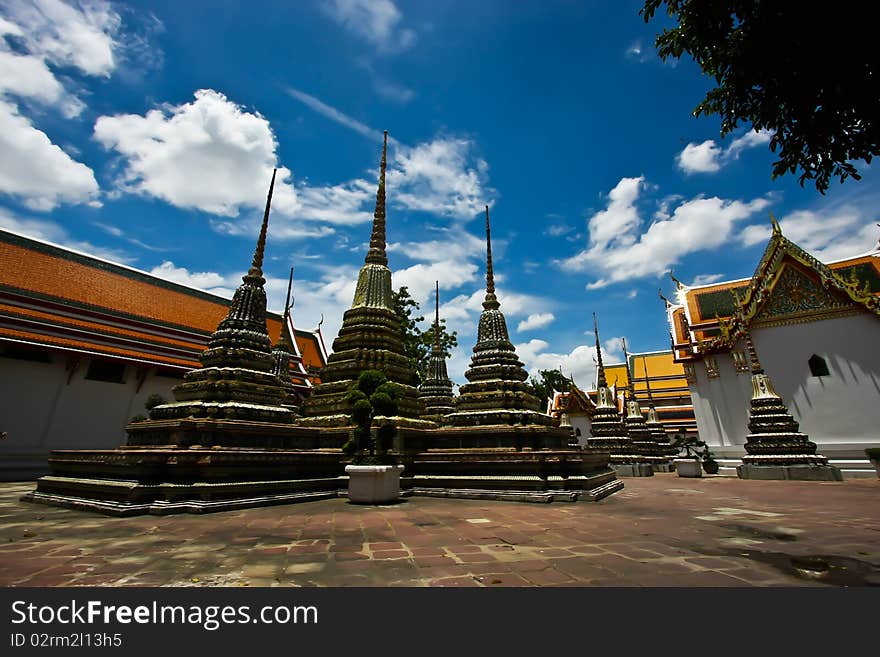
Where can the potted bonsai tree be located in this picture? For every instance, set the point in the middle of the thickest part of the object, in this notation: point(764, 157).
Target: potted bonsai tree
point(688, 465)
point(710, 465)
point(373, 475)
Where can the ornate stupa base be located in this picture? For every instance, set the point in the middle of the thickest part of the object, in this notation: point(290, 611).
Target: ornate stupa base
point(503, 462)
point(800, 472)
point(633, 469)
point(162, 481)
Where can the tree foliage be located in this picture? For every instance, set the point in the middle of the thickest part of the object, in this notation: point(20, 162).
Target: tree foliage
point(806, 73)
point(549, 381)
point(418, 343)
point(370, 396)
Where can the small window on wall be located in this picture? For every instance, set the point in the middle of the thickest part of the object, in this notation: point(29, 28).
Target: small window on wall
point(818, 366)
point(107, 371)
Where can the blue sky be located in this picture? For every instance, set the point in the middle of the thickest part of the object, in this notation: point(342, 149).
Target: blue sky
point(146, 132)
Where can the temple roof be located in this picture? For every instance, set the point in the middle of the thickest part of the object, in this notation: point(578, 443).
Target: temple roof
point(54, 297)
point(707, 318)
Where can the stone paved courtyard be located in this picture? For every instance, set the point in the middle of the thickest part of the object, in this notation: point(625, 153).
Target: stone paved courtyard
point(660, 531)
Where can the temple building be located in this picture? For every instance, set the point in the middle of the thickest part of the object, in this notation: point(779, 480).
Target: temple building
point(84, 342)
point(657, 380)
point(815, 327)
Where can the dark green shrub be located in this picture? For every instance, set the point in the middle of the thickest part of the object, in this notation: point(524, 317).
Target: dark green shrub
point(373, 395)
point(154, 400)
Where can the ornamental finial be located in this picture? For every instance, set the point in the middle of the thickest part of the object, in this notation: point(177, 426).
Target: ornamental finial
point(376, 254)
point(491, 301)
point(600, 369)
point(256, 270)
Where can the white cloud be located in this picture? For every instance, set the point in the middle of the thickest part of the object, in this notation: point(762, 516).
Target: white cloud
point(27, 76)
point(636, 52)
point(709, 157)
point(461, 311)
point(208, 281)
point(386, 88)
point(535, 321)
point(442, 176)
point(558, 230)
point(454, 244)
point(79, 34)
point(700, 158)
point(420, 278)
point(35, 170)
point(579, 363)
point(50, 231)
point(706, 279)
point(325, 110)
point(620, 249)
point(213, 155)
point(376, 21)
point(829, 235)
point(208, 154)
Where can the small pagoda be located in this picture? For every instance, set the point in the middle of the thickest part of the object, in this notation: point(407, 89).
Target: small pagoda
point(643, 444)
point(656, 429)
point(435, 391)
point(370, 338)
point(496, 392)
point(608, 431)
point(775, 449)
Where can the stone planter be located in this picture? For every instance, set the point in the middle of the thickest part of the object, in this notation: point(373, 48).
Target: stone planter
point(876, 464)
point(873, 455)
point(689, 467)
point(373, 484)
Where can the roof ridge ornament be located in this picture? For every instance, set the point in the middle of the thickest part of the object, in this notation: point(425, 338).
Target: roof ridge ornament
point(678, 284)
point(777, 229)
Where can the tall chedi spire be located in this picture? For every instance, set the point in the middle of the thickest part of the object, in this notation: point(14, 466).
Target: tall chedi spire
point(436, 390)
point(607, 431)
point(655, 427)
point(775, 449)
point(370, 337)
point(496, 392)
point(237, 379)
point(636, 427)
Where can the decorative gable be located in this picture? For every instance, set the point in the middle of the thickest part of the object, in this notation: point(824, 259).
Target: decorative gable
point(797, 296)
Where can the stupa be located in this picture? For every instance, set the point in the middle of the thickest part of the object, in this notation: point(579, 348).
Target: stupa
point(643, 444)
point(775, 449)
point(655, 428)
point(608, 431)
point(496, 392)
point(435, 391)
point(237, 379)
point(370, 337)
point(227, 441)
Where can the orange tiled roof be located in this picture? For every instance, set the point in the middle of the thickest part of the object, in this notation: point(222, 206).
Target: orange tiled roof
point(58, 298)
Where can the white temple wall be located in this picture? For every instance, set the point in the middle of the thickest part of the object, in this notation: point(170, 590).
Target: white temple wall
point(40, 411)
point(580, 423)
point(839, 409)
